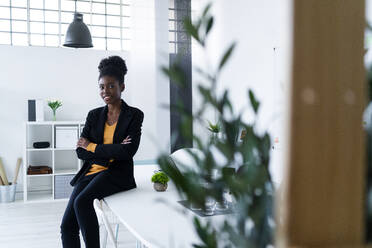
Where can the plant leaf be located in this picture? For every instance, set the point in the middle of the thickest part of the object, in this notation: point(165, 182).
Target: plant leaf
point(209, 25)
point(206, 9)
point(192, 30)
point(255, 104)
point(227, 55)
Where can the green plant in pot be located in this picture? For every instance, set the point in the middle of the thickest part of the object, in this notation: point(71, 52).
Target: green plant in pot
point(54, 105)
point(160, 180)
point(215, 129)
point(249, 184)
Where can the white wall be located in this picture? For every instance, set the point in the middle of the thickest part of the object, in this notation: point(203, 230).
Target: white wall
point(258, 27)
point(70, 75)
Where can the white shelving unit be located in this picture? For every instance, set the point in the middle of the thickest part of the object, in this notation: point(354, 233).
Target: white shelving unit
point(63, 161)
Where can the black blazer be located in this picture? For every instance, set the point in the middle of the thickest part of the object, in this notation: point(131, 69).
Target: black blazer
point(121, 169)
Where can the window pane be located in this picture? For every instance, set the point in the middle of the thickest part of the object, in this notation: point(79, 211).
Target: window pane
point(113, 44)
point(37, 40)
point(113, 32)
point(19, 39)
point(36, 4)
point(5, 12)
point(98, 19)
point(172, 25)
point(172, 48)
point(171, 14)
point(36, 15)
point(51, 28)
point(67, 17)
point(19, 14)
point(113, 9)
point(126, 22)
point(127, 45)
point(113, 21)
point(113, 1)
point(126, 10)
point(51, 4)
point(83, 6)
point(19, 26)
point(172, 36)
point(67, 5)
point(4, 3)
point(51, 40)
point(19, 3)
point(63, 37)
point(99, 43)
point(4, 25)
point(5, 38)
point(99, 8)
point(36, 27)
point(51, 16)
point(127, 33)
point(64, 28)
point(86, 18)
point(97, 31)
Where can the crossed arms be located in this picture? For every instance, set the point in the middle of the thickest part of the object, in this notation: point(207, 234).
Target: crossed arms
point(122, 151)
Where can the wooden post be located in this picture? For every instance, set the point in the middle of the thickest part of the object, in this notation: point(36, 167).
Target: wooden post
point(325, 181)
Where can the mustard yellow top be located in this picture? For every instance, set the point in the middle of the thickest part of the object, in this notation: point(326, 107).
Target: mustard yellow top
point(108, 137)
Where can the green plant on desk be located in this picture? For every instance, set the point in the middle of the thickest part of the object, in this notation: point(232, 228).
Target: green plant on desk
point(251, 186)
point(160, 180)
point(54, 105)
point(215, 129)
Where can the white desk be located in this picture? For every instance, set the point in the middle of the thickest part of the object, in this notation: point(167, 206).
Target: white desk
point(155, 218)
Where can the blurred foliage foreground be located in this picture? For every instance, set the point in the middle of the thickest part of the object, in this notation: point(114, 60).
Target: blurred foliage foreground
point(249, 186)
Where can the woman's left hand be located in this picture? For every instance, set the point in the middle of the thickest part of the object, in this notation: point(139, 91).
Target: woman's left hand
point(83, 143)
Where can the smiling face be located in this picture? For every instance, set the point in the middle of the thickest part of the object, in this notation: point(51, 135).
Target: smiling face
point(110, 89)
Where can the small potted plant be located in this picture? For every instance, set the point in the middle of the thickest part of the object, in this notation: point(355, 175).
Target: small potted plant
point(54, 105)
point(215, 129)
point(160, 180)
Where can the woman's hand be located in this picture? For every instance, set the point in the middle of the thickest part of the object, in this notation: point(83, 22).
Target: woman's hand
point(126, 140)
point(83, 143)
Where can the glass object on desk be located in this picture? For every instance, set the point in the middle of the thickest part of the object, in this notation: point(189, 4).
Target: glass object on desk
point(223, 205)
point(195, 206)
point(210, 206)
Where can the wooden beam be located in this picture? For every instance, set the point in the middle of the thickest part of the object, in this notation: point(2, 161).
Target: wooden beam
point(324, 191)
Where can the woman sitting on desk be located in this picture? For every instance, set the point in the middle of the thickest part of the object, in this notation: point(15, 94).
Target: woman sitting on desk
point(109, 140)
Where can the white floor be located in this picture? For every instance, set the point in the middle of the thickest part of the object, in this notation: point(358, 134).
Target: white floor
point(36, 225)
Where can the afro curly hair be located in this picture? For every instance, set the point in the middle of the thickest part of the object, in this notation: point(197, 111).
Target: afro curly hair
point(113, 66)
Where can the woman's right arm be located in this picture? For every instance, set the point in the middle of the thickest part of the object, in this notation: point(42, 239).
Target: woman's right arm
point(81, 152)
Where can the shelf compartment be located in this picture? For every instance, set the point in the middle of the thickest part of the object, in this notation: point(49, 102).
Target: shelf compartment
point(40, 187)
point(39, 157)
point(65, 160)
point(62, 187)
point(66, 136)
point(65, 172)
point(38, 133)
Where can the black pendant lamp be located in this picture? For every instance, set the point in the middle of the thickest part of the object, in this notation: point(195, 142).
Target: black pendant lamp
point(78, 35)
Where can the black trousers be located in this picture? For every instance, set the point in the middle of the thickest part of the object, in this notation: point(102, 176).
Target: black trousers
point(80, 214)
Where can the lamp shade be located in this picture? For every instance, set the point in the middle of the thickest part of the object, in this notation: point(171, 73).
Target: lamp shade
point(78, 34)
